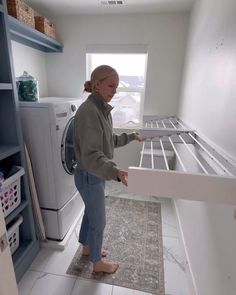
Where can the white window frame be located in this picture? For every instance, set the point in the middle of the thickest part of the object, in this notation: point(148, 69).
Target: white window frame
point(120, 49)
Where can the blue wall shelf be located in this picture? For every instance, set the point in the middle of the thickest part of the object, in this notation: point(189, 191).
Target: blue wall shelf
point(11, 140)
point(26, 35)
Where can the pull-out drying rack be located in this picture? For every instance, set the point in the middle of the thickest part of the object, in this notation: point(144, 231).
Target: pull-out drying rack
point(175, 162)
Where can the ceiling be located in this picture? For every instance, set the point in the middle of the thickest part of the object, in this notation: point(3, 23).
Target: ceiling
point(75, 7)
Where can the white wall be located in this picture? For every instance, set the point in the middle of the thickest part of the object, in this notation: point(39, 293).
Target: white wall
point(208, 104)
point(165, 34)
point(63, 74)
point(34, 62)
point(208, 98)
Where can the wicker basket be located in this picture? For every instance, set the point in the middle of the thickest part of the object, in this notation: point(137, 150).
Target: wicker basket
point(21, 11)
point(43, 25)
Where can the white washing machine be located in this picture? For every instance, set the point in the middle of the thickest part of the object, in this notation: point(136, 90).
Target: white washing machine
point(48, 133)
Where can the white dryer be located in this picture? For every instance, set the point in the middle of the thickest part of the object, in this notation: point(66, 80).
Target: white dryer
point(48, 133)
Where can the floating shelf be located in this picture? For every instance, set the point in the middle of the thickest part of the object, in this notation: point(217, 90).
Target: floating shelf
point(26, 35)
point(6, 150)
point(6, 86)
point(18, 210)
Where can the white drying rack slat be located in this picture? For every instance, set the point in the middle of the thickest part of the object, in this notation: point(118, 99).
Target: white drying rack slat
point(142, 153)
point(177, 154)
point(193, 155)
point(200, 186)
point(155, 133)
point(211, 156)
point(178, 121)
point(163, 122)
point(173, 125)
point(152, 157)
point(164, 155)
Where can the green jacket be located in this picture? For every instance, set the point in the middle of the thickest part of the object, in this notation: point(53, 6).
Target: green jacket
point(94, 138)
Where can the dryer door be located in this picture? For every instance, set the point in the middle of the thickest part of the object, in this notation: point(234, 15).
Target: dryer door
point(67, 148)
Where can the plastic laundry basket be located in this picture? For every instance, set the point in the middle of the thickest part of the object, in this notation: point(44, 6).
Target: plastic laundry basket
point(13, 234)
point(10, 192)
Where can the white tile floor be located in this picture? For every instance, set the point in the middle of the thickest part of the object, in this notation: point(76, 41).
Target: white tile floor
point(47, 274)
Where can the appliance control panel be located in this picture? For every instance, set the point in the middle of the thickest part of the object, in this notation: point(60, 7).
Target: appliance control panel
point(65, 111)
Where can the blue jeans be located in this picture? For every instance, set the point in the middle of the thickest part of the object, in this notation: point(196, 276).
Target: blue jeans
point(91, 189)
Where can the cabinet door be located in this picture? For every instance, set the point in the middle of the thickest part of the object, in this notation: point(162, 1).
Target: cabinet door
point(8, 284)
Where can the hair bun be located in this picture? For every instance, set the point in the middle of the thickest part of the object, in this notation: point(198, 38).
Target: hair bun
point(88, 86)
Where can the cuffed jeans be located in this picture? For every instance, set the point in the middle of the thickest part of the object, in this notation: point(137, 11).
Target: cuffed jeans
point(91, 189)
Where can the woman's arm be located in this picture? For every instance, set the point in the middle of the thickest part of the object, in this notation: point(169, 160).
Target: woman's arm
point(125, 138)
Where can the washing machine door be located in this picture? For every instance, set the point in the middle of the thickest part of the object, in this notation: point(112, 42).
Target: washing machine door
point(67, 148)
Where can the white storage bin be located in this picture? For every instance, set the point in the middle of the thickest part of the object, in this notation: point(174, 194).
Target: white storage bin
point(10, 192)
point(13, 234)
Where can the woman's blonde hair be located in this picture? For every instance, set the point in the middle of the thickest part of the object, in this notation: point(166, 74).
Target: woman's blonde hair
point(99, 74)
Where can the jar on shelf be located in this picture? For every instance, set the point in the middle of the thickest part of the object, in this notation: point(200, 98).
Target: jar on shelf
point(27, 86)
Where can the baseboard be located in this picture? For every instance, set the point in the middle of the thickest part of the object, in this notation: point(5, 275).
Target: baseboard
point(189, 272)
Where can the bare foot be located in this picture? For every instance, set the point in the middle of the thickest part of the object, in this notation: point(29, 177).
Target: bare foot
point(105, 266)
point(85, 251)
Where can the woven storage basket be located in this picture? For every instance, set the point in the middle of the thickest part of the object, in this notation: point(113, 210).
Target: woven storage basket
point(43, 25)
point(21, 11)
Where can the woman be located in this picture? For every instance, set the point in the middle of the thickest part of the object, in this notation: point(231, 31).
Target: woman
point(94, 147)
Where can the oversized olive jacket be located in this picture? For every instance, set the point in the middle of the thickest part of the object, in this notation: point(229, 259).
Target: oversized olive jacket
point(95, 140)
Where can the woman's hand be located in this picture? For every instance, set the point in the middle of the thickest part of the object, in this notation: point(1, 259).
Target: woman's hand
point(123, 177)
point(138, 137)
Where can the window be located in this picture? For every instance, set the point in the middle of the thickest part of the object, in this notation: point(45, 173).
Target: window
point(129, 99)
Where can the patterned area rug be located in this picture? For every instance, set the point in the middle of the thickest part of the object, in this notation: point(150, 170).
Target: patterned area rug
point(133, 237)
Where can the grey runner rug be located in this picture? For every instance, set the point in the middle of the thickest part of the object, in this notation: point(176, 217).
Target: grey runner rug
point(133, 237)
